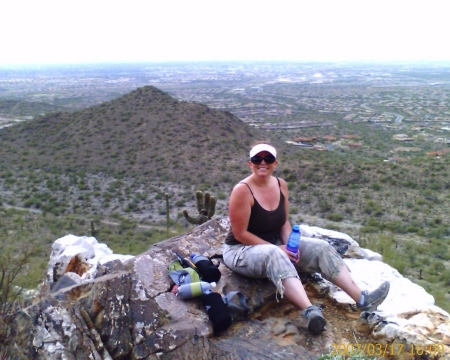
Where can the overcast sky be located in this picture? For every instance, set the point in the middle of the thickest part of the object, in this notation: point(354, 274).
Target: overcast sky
point(67, 31)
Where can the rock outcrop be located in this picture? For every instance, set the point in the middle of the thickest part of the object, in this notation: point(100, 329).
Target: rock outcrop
point(97, 305)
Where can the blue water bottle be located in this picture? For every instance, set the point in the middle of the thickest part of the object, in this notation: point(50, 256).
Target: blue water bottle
point(294, 240)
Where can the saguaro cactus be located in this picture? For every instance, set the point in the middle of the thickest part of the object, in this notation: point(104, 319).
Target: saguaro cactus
point(167, 213)
point(94, 229)
point(206, 206)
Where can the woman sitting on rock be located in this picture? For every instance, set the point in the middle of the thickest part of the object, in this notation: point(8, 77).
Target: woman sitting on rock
point(256, 243)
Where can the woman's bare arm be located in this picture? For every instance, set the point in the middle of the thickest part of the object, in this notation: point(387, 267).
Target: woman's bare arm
point(287, 228)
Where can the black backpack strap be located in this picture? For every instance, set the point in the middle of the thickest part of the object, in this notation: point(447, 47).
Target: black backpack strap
point(227, 300)
point(216, 256)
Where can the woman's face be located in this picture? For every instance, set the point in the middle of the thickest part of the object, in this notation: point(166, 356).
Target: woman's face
point(263, 168)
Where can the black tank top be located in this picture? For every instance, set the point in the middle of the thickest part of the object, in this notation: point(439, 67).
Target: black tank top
point(263, 223)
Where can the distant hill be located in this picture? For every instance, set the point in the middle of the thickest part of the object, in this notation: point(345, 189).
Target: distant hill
point(146, 132)
point(21, 108)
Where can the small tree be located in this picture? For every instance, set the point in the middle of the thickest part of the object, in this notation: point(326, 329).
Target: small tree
point(14, 259)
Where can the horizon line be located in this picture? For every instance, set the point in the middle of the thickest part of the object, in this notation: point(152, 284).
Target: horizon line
point(143, 62)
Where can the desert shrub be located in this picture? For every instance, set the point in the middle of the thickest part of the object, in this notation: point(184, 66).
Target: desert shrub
point(373, 208)
point(376, 186)
point(291, 178)
point(439, 232)
point(445, 277)
point(15, 257)
point(324, 206)
point(179, 203)
point(439, 249)
point(221, 195)
point(334, 217)
point(368, 229)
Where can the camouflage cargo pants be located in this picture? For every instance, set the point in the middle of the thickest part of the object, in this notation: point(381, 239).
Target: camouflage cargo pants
point(261, 261)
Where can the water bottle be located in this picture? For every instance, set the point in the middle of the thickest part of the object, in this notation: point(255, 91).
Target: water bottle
point(208, 271)
point(197, 257)
point(195, 289)
point(294, 240)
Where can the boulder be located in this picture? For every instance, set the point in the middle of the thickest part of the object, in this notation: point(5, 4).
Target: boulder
point(97, 305)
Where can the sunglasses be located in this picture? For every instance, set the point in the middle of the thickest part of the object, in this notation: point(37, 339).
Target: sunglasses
point(268, 159)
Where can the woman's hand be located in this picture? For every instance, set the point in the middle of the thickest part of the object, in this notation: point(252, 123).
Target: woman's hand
point(294, 258)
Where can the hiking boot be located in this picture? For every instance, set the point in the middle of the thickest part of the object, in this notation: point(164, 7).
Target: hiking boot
point(316, 321)
point(374, 298)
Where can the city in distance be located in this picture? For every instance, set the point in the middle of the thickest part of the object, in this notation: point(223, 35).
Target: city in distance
point(256, 92)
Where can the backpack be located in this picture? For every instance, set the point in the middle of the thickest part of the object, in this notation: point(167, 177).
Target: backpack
point(208, 271)
point(221, 309)
point(181, 275)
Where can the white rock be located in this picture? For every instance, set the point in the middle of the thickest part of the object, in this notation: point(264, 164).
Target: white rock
point(404, 298)
point(319, 233)
point(86, 248)
point(357, 252)
point(107, 258)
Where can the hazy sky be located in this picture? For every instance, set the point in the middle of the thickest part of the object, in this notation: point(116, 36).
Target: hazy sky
point(66, 31)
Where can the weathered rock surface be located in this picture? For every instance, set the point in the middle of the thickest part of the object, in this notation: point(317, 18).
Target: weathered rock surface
point(124, 309)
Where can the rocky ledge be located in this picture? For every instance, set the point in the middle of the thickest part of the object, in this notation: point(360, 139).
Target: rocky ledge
point(94, 304)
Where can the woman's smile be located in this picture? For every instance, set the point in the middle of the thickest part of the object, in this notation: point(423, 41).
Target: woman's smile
point(262, 162)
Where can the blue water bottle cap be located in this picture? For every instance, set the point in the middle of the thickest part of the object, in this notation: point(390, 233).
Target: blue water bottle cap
point(295, 228)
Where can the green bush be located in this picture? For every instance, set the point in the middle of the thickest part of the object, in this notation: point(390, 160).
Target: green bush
point(14, 259)
point(445, 277)
point(325, 206)
point(334, 217)
point(180, 203)
point(376, 187)
point(368, 229)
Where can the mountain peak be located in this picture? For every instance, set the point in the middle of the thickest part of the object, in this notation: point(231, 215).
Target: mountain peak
point(145, 132)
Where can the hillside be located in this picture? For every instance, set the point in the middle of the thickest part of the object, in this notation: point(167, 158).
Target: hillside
point(146, 132)
point(115, 162)
point(24, 108)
